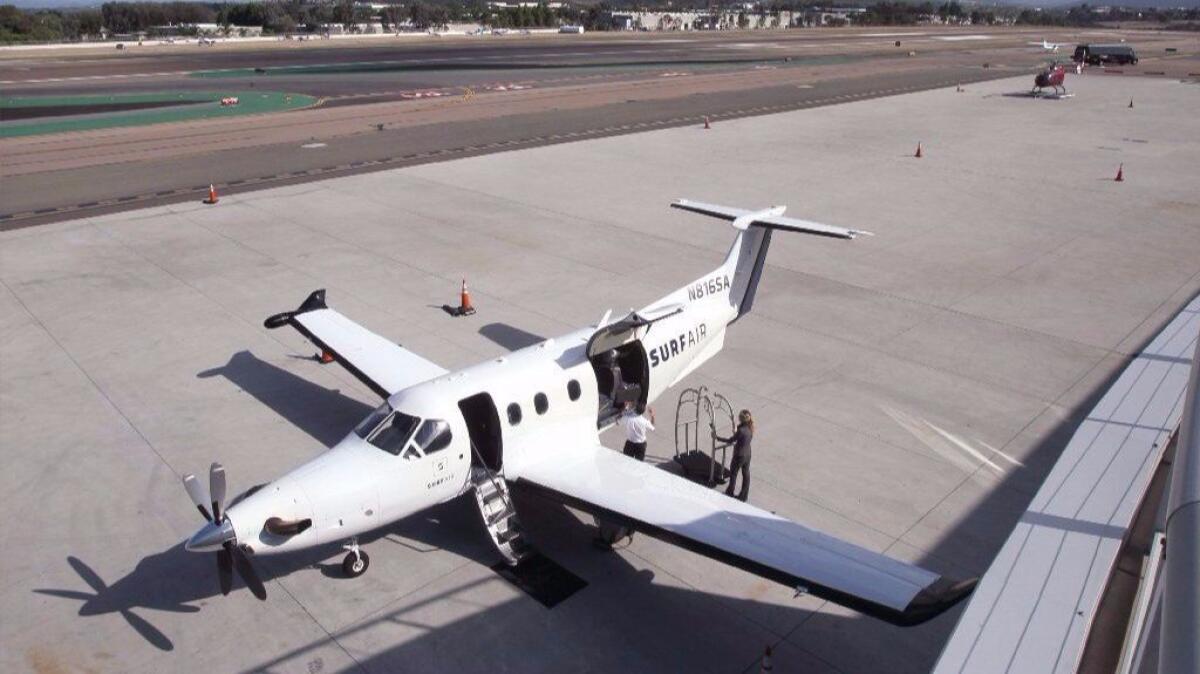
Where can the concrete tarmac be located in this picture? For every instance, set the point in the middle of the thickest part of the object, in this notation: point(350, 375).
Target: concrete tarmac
point(1009, 279)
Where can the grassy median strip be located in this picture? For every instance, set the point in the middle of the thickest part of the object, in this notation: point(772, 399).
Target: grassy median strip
point(97, 111)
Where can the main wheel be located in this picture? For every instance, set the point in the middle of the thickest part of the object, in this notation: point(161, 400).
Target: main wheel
point(355, 565)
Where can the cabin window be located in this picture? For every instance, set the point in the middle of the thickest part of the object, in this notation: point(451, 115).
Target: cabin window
point(514, 414)
point(393, 433)
point(541, 403)
point(573, 391)
point(433, 436)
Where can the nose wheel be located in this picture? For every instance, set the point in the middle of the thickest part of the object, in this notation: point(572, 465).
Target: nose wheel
point(356, 561)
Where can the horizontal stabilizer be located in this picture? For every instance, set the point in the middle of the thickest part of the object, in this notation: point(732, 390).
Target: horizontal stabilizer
point(771, 218)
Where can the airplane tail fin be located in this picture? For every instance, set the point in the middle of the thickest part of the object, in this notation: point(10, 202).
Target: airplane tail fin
point(747, 255)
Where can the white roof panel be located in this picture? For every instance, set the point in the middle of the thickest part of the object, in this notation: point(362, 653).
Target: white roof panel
point(1033, 608)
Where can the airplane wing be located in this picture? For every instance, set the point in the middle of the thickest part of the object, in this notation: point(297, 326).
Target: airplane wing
point(384, 366)
point(617, 488)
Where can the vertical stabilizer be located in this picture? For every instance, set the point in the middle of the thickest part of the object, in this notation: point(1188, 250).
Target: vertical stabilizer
point(744, 264)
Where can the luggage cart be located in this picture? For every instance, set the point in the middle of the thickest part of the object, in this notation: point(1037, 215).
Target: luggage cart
point(698, 411)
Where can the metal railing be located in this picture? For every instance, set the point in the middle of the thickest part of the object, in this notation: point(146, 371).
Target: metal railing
point(698, 409)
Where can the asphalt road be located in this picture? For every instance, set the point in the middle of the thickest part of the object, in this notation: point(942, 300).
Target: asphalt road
point(571, 89)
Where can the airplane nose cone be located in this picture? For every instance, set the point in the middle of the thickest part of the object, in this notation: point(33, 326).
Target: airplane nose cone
point(211, 537)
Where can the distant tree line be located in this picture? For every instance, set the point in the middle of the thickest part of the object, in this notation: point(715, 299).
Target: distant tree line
point(19, 25)
point(288, 16)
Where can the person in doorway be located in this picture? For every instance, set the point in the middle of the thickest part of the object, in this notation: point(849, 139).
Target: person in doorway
point(636, 425)
point(741, 453)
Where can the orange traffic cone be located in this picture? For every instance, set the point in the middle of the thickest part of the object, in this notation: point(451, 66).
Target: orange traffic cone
point(706, 124)
point(766, 662)
point(325, 357)
point(212, 195)
point(465, 308)
point(918, 155)
point(1120, 174)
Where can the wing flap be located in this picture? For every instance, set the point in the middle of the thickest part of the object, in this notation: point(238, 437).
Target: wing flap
point(384, 366)
point(615, 487)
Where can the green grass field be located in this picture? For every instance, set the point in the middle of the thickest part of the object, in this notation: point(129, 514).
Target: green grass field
point(192, 106)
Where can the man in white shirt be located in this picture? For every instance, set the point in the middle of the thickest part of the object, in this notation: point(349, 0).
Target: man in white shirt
point(636, 426)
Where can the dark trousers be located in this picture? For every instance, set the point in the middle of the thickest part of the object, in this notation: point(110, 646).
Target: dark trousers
point(635, 449)
point(742, 464)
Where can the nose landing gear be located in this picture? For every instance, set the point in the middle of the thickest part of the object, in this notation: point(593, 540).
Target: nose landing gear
point(356, 562)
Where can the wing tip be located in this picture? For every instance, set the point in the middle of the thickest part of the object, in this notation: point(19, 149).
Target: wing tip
point(935, 599)
point(314, 301)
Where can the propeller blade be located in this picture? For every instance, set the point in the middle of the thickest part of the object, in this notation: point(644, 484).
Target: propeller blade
point(246, 570)
point(196, 493)
point(216, 490)
point(225, 569)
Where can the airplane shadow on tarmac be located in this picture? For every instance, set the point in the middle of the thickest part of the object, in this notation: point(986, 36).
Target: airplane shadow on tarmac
point(510, 337)
point(325, 414)
point(175, 580)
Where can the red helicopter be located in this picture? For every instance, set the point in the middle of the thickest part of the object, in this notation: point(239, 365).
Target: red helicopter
point(1054, 76)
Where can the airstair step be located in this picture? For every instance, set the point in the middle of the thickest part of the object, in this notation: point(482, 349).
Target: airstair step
point(499, 515)
point(496, 517)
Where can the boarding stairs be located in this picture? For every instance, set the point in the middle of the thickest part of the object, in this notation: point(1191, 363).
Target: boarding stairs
point(698, 414)
point(499, 514)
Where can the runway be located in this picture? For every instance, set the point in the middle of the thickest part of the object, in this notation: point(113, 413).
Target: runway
point(434, 100)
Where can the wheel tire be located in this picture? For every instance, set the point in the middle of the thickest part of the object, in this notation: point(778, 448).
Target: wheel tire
point(355, 565)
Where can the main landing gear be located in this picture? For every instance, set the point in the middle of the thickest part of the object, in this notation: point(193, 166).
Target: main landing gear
point(356, 562)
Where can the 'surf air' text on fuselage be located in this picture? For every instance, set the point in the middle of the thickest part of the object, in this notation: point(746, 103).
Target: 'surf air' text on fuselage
point(677, 345)
point(709, 286)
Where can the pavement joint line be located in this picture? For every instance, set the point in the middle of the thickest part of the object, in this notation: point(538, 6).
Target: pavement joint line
point(133, 427)
point(855, 430)
point(1049, 406)
point(339, 373)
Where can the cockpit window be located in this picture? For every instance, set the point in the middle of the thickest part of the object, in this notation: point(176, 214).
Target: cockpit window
point(364, 427)
point(433, 436)
point(394, 432)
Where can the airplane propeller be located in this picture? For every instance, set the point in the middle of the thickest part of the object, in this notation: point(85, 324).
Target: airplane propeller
point(219, 531)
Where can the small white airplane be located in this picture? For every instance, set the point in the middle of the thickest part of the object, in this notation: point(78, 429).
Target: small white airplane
point(531, 420)
point(1049, 46)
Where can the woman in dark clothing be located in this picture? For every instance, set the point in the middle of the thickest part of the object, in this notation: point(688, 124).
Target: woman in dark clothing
point(741, 453)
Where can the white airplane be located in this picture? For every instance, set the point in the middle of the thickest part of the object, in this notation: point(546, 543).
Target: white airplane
point(531, 420)
point(1049, 46)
